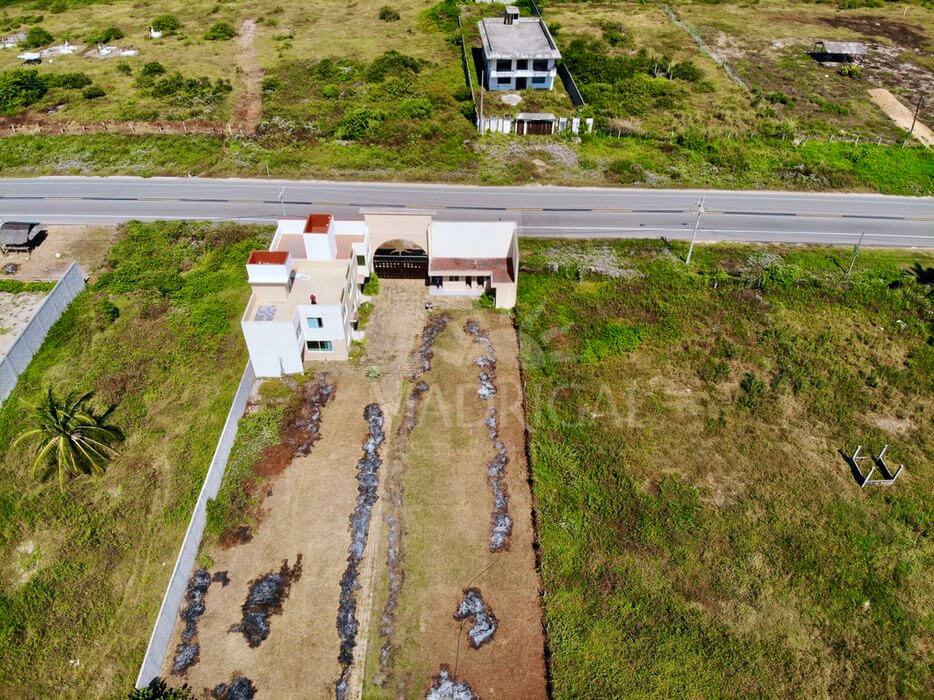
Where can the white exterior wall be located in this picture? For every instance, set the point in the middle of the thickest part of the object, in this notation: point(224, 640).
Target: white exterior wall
point(269, 274)
point(275, 347)
point(333, 324)
point(493, 74)
point(321, 246)
point(362, 271)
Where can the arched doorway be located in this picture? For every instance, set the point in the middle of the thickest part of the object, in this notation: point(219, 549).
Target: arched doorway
point(400, 259)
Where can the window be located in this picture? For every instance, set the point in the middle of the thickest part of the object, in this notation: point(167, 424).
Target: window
point(454, 278)
point(523, 64)
point(503, 65)
point(319, 345)
point(539, 81)
point(314, 322)
point(504, 80)
point(361, 260)
point(540, 64)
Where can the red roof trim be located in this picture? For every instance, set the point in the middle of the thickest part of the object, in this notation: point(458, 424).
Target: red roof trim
point(268, 257)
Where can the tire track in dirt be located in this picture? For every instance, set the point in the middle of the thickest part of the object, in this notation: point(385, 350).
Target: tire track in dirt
point(249, 109)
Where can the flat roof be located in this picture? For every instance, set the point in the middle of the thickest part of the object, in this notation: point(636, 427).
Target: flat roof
point(470, 239)
point(268, 257)
point(318, 223)
point(526, 37)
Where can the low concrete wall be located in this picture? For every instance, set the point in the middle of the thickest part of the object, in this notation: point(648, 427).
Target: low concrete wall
point(15, 362)
point(175, 592)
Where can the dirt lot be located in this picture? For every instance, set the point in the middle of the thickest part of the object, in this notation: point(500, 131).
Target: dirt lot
point(15, 312)
point(307, 514)
point(62, 244)
point(447, 521)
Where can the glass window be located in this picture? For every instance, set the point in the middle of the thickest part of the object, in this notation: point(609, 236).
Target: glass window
point(361, 260)
point(522, 64)
point(503, 64)
point(503, 81)
point(314, 322)
point(540, 64)
point(319, 345)
point(539, 81)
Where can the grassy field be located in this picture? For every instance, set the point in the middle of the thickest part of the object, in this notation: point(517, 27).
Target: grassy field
point(85, 568)
point(701, 534)
point(339, 92)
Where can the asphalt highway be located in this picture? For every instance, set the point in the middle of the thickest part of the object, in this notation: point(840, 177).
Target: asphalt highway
point(545, 211)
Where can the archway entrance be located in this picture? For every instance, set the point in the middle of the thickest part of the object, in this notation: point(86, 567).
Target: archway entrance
point(400, 259)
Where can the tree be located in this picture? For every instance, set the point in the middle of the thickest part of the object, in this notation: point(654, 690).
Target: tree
point(35, 38)
point(220, 31)
point(73, 439)
point(20, 88)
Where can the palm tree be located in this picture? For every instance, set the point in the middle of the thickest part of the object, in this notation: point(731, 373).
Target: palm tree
point(923, 276)
point(73, 439)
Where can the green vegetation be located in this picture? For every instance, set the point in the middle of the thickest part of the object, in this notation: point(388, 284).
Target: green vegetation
point(105, 36)
point(701, 535)
point(36, 38)
point(389, 14)
point(220, 31)
point(19, 286)
point(167, 24)
point(71, 437)
point(158, 689)
point(87, 567)
point(23, 87)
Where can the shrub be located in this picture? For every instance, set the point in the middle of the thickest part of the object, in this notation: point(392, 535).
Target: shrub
point(58, 7)
point(105, 36)
point(167, 24)
point(687, 71)
point(394, 63)
point(123, 68)
point(371, 286)
point(357, 123)
point(780, 98)
point(330, 91)
point(388, 14)
point(105, 313)
point(462, 94)
point(753, 390)
point(851, 70)
point(220, 31)
point(417, 108)
point(627, 171)
point(20, 88)
point(151, 69)
point(69, 81)
point(35, 38)
point(93, 92)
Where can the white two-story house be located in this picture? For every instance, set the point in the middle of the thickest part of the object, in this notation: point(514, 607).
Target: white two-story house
point(307, 288)
point(518, 52)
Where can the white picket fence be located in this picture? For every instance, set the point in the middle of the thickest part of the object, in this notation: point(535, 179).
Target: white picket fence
point(185, 563)
point(30, 340)
point(510, 125)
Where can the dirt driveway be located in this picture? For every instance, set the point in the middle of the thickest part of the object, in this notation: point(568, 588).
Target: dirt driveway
point(447, 512)
point(62, 244)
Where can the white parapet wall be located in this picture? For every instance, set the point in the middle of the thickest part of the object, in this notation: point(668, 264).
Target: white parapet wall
point(185, 563)
point(15, 362)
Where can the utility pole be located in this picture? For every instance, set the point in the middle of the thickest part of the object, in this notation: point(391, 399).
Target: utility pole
point(914, 120)
point(282, 199)
point(700, 212)
point(855, 253)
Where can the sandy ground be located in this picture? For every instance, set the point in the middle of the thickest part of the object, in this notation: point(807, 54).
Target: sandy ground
point(447, 513)
point(86, 244)
point(308, 513)
point(15, 312)
point(901, 115)
point(249, 109)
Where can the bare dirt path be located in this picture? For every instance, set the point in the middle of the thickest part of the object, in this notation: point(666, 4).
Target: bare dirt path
point(249, 109)
point(447, 515)
point(901, 115)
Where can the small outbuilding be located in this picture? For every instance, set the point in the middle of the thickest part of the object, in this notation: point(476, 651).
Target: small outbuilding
point(18, 236)
point(838, 51)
